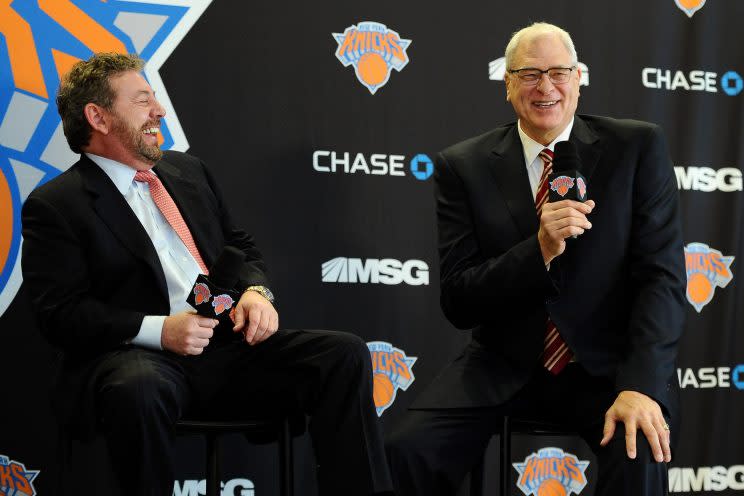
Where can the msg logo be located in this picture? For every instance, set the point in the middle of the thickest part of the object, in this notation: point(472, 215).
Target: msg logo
point(233, 487)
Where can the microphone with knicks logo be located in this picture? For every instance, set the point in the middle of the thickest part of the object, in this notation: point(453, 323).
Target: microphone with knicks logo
point(213, 296)
point(565, 182)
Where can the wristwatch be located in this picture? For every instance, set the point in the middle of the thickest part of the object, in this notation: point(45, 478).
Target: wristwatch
point(263, 291)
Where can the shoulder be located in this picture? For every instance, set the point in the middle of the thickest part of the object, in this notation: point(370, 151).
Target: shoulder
point(626, 130)
point(478, 147)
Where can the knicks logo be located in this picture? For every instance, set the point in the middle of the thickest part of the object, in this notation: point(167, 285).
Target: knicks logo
point(222, 302)
point(391, 370)
point(707, 269)
point(582, 187)
point(689, 7)
point(42, 42)
point(201, 293)
point(562, 184)
point(373, 50)
point(551, 472)
point(15, 480)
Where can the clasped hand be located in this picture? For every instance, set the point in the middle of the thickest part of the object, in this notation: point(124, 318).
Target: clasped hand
point(187, 333)
point(558, 221)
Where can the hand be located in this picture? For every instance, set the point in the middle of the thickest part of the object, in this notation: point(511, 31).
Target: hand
point(262, 319)
point(558, 221)
point(635, 410)
point(187, 333)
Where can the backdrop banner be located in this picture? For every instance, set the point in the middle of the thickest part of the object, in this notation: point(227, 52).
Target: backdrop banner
point(320, 122)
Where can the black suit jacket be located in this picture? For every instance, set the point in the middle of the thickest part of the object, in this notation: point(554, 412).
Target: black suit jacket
point(91, 269)
point(616, 294)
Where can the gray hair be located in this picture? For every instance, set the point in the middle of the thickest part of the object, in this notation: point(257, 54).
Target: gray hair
point(533, 31)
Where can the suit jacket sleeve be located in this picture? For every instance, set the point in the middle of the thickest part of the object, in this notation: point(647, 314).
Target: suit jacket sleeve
point(478, 286)
point(58, 279)
point(253, 271)
point(657, 272)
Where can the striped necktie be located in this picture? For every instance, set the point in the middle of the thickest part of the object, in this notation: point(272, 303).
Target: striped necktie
point(168, 208)
point(556, 354)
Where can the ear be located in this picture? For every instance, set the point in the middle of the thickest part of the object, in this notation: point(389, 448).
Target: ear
point(507, 85)
point(97, 117)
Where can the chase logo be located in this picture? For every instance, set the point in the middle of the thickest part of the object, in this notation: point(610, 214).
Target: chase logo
point(707, 269)
point(689, 7)
point(551, 472)
point(373, 50)
point(422, 167)
point(391, 370)
point(42, 41)
point(15, 480)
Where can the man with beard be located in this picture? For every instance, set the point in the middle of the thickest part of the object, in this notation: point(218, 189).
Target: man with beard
point(112, 249)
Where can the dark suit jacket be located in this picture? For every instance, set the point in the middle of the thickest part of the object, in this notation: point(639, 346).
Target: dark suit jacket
point(616, 294)
point(92, 271)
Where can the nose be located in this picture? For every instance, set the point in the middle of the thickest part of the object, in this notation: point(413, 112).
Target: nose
point(544, 84)
point(158, 109)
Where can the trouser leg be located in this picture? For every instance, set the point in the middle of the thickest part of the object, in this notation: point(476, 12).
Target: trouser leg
point(139, 396)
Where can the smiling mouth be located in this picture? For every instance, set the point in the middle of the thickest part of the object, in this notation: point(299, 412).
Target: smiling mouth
point(151, 130)
point(545, 105)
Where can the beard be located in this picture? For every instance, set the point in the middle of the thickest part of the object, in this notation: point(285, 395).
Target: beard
point(135, 142)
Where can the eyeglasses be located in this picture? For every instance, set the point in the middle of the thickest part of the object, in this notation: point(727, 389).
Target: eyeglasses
point(530, 76)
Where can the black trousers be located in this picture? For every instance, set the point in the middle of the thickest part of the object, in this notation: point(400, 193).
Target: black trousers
point(139, 395)
point(431, 451)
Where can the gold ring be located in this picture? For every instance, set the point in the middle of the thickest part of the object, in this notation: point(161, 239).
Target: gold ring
point(666, 427)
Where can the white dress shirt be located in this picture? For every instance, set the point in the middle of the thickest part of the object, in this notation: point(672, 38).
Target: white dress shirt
point(532, 151)
point(178, 264)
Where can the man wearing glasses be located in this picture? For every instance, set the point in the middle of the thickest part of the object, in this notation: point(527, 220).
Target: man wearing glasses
point(576, 308)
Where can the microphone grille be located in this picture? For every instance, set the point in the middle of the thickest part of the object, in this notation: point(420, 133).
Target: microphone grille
point(565, 157)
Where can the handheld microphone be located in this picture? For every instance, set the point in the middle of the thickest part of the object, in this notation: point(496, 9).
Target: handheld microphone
point(565, 180)
point(213, 296)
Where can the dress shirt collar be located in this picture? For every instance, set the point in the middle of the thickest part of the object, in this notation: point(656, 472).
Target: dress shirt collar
point(120, 174)
point(532, 148)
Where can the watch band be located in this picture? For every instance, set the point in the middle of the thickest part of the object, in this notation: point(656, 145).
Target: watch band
point(263, 291)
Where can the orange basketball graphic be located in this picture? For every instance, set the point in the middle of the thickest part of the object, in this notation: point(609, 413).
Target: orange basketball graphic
point(698, 288)
point(551, 487)
point(372, 68)
point(690, 4)
point(383, 390)
point(6, 220)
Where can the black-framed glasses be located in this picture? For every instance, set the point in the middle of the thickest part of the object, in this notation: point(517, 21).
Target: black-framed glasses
point(531, 75)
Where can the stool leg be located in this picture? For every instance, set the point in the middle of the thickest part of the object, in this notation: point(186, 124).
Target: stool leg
point(476, 477)
point(505, 444)
point(213, 465)
point(286, 468)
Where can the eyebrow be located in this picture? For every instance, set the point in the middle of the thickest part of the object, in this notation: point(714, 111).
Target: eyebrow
point(144, 92)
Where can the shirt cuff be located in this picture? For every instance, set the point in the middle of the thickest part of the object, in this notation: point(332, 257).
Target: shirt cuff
point(150, 332)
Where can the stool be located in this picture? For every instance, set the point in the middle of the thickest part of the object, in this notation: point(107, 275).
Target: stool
point(510, 426)
point(213, 429)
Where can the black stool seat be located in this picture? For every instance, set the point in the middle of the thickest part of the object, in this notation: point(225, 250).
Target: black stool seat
point(213, 429)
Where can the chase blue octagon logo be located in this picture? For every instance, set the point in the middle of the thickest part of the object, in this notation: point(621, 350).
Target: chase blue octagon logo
point(42, 40)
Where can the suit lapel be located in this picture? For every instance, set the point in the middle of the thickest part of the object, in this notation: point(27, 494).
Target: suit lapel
point(188, 199)
point(586, 144)
point(116, 213)
point(510, 173)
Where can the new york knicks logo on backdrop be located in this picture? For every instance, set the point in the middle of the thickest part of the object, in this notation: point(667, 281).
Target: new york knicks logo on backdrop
point(689, 7)
point(551, 472)
point(707, 269)
point(15, 479)
point(42, 41)
point(373, 50)
point(391, 370)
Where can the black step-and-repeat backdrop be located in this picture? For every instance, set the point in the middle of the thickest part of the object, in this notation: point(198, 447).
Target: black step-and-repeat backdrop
point(320, 121)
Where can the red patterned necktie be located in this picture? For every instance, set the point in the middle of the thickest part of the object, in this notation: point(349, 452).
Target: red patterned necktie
point(168, 208)
point(556, 354)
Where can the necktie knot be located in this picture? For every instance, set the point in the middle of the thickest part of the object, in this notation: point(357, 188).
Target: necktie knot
point(546, 155)
point(145, 176)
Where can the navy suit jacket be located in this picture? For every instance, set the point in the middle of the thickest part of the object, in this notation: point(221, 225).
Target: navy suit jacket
point(617, 293)
point(92, 272)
